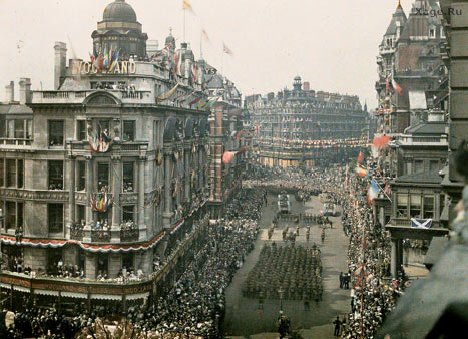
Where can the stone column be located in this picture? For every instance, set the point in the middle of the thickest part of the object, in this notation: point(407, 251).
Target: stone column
point(200, 167)
point(116, 191)
point(141, 199)
point(90, 265)
point(71, 190)
point(187, 189)
point(89, 187)
point(393, 265)
point(167, 214)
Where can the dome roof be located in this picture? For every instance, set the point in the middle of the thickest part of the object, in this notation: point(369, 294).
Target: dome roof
point(119, 10)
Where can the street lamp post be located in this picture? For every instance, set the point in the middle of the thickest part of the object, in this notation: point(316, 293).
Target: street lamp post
point(281, 293)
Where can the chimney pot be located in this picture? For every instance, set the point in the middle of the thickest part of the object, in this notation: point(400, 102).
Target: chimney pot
point(25, 91)
point(10, 92)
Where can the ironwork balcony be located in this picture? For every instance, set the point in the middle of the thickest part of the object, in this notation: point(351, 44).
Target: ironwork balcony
point(100, 235)
point(76, 231)
point(129, 232)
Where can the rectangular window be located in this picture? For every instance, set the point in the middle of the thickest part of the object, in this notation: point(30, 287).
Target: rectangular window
point(103, 127)
point(81, 185)
point(103, 176)
point(81, 130)
point(55, 217)
point(56, 132)
point(19, 214)
point(418, 166)
point(127, 261)
point(10, 220)
point(428, 207)
point(19, 129)
point(433, 165)
point(55, 175)
point(29, 129)
point(2, 172)
point(127, 175)
point(11, 172)
point(415, 206)
point(3, 125)
point(81, 214)
point(102, 265)
point(402, 205)
point(128, 130)
point(20, 176)
point(128, 213)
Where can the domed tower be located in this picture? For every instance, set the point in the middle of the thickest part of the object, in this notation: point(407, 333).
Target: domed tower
point(297, 83)
point(170, 41)
point(120, 30)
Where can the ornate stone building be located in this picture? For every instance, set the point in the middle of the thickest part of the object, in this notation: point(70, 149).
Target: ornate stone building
point(303, 127)
point(106, 175)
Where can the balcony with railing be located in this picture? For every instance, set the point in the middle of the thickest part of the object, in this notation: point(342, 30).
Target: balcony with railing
point(129, 232)
point(15, 142)
point(77, 97)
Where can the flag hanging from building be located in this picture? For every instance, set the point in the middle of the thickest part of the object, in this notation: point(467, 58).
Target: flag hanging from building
point(228, 156)
point(388, 85)
point(421, 223)
point(381, 141)
point(373, 191)
point(397, 87)
point(168, 94)
point(360, 157)
point(226, 49)
point(361, 171)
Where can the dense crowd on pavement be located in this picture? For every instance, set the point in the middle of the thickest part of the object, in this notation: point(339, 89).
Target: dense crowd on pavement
point(194, 306)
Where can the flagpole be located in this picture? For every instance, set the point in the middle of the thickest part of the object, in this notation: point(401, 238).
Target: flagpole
point(183, 35)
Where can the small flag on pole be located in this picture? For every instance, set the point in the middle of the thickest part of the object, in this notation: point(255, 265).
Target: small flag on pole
point(226, 49)
point(187, 6)
point(205, 35)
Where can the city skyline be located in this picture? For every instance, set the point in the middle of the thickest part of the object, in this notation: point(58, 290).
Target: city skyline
point(259, 46)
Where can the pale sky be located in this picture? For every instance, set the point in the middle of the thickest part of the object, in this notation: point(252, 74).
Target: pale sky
point(331, 44)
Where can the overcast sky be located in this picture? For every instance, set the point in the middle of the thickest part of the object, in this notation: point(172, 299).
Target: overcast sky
point(332, 44)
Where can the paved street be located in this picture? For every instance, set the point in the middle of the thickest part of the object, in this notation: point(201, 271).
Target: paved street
point(243, 318)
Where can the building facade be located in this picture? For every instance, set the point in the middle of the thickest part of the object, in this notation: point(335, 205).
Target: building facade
point(302, 127)
point(104, 179)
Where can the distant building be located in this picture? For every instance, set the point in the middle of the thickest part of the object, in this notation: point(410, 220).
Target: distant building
point(302, 127)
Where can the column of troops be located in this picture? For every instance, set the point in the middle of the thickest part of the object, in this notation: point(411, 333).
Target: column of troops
point(287, 272)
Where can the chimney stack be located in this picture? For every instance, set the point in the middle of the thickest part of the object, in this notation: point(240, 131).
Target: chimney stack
point(10, 92)
point(306, 86)
point(60, 62)
point(25, 91)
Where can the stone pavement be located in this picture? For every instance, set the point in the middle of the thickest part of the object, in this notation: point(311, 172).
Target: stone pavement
point(244, 319)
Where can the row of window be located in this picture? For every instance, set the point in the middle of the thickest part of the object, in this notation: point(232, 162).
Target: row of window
point(16, 128)
point(11, 173)
point(56, 129)
point(415, 205)
point(14, 215)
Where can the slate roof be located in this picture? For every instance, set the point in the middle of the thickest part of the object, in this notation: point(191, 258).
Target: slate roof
point(420, 178)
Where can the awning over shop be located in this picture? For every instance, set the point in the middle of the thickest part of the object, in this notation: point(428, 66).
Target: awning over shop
point(74, 295)
point(106, 297)
point(46, 292)
point(137, 296)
